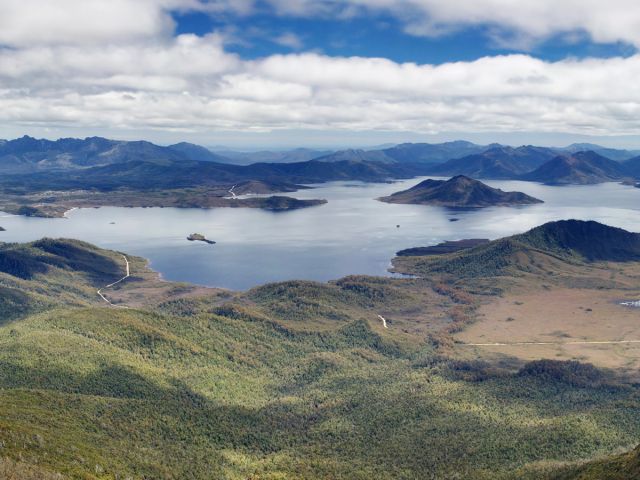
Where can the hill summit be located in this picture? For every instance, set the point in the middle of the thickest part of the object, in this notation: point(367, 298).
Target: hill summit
point(590, 240)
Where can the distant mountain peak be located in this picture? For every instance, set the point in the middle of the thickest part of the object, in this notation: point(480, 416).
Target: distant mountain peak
point(497, 161)
point(585, 167)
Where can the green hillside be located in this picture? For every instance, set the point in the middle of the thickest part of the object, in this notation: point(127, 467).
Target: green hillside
point(540, 250)
point(288, 381)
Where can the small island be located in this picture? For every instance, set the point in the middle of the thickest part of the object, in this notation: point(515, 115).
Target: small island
point(2, 229)
point(459, 192)
point(198, 237)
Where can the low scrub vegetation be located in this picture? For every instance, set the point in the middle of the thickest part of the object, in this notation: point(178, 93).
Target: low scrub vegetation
point(291, 380)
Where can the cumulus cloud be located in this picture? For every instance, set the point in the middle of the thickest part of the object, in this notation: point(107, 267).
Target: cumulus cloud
point(47, 22)
point(191, 82)
point(28, 22)
point(290, 40)
point(610, 21)
point(117, 64)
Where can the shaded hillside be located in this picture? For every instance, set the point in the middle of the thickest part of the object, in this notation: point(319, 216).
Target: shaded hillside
point(619, 467)
point(28, 260)
point(632, 167)
point(590, 240)
point(132, 174)
point(266, 156)
point(433, 153)
point(533, 251)
point(34, 276)
point(356, 156)
point(184, 173)
point(459, 191)
point(581, 168)
point(496, 163)
point(191, 151)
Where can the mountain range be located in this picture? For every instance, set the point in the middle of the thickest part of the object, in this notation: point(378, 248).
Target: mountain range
point(27, 154)
point(538, 164)
point(496, 163)
point(31, 164)
point(101, 163)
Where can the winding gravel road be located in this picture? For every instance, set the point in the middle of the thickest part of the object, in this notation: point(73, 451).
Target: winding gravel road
point(126, 260)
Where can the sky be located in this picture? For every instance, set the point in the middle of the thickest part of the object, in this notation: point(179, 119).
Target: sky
point(322, 73)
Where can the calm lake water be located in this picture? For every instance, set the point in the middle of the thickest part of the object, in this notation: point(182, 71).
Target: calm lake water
point(352, 234)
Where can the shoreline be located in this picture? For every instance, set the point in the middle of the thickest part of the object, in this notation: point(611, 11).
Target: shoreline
point(66, 214)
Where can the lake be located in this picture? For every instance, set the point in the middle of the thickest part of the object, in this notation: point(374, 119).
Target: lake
point(352, 234)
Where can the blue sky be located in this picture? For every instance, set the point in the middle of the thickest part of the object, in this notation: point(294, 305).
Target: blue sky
point(325, 73)
point(381, 35)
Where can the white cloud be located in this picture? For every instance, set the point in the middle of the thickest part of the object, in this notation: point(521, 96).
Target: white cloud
point(289, 40)
point(37, 22)
point(117, 65)
point(603, 21)
point(47, 22)
point(191, 83)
